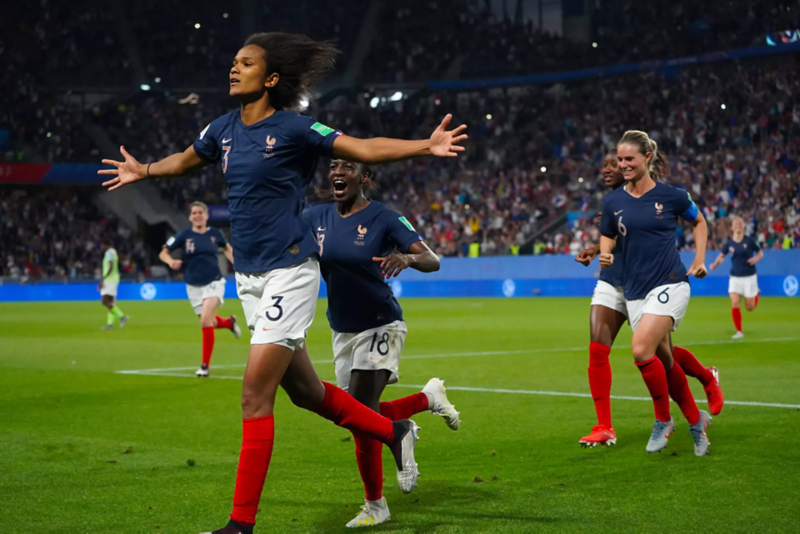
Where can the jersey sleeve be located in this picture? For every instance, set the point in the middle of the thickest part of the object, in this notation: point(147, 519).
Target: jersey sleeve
point(726, 247)
point(207, 143)
point(400, 231)
point(607, 226)
point(310, 215)
point(221, 241)
point(685, 205)
point(754, 244)
point(314, 136)
point(175, 242)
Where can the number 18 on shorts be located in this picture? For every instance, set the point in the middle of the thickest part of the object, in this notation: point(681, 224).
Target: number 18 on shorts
point(371, 350)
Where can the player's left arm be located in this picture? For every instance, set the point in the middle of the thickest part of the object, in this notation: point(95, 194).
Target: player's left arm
point(228, 251)
point(586, 255)
point(107, 270)
point(443, 143)
point(691, 213)
point(419, 257)
point(758, 257)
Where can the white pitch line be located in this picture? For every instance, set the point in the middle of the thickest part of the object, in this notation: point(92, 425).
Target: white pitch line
point(474, 354)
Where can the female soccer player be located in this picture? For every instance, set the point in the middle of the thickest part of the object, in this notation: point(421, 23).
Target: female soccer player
point(745, 253)
point(608, 314)
point(204, 282)
point(268, 156)
point(642, 215)
point(357, 238)
point(108, 286)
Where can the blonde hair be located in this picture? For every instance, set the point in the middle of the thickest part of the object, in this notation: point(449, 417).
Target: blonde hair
point(199, 204)
point(659, 164)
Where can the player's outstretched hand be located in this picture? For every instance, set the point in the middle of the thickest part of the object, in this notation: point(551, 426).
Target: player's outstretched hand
point(713, 266)
point(586, 256)
point(126, 172)
point(444, 142)
point(175, 264)
point(606, 260)
point(393, 264)
point(698, 270)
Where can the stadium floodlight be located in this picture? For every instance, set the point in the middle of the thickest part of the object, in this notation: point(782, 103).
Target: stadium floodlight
point(144, 87)
point(594, 45)
point(488, 116)
point(723, 106)
point(196, 25)
point(224, 15)
point(396, 97)
point(374, 102)
point(543, 169)
point(158, 80)
point(580, 179)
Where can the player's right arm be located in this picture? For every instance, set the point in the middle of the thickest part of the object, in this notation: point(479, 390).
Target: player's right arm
point(131, 171)
point(608, 235)
point(172, 243)
point(720, 258)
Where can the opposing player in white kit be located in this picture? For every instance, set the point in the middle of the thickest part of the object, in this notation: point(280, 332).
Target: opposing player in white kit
point(642, 216)
point(205, 284)
point(269, 155)
point(745, 253)
point(358, 238)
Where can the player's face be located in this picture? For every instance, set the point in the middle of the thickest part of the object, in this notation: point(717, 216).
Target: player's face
point(198, 216)
point(248, 75)
point(738, 226)
point(345, 180)
point(612, 176)
point(632, 163)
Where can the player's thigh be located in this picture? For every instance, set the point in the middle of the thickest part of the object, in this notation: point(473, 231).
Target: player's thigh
point(649, 333)
point(367, 386)
point(208, 311)
point(736, 300)
point(604, 324)
point(379, 349)
point(266, 365)
point(750, 303)
point(301, 382)
point(664, 351)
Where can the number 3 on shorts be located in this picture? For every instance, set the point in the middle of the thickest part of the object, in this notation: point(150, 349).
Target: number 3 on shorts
point(383, 343)
point(276, 305)
point(663, 297)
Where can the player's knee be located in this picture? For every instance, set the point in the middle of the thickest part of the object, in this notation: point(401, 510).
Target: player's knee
point(208, 322)
point(641, 351)
point(750, 306)
point(255, 403)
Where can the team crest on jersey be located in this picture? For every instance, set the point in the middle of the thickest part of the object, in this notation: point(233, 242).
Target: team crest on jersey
point(659, 210)
point(213, 239)
point(745, 245)
point(731, 250)
point(270, 145)
point(362, 231)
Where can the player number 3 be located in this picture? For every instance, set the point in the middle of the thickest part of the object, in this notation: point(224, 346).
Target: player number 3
point(278, 313)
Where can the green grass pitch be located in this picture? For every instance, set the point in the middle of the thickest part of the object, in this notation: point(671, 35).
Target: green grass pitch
point(86, 449)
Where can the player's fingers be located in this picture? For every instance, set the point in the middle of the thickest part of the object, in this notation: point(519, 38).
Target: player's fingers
point(378, 259)
point(445, 121)
point(111, 162)
point(125, 153)
point(111, 182)
point(110, 172)
point(456, 148)
point(460, 129)
point(460, 138)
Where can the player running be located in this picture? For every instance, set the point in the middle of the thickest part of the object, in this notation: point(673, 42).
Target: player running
point(608, 314)
point(745, 253)
point(269, 155)
point(357, 237)
point(108, 286)
point(205, 284)
point(642, 216)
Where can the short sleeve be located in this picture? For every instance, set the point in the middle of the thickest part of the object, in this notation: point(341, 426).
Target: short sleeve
point(221, 241)
point(207, 143)
point(314, 136)
point(607, 226)
point(685, 205)
point(400, 231)
point(753, 244)
point(175, 242)
point(310, 216)
point(109, 255)
point(726, 247)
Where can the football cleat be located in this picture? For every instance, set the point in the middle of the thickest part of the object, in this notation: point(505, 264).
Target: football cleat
point(107, 327)
point(600, 435)
point(441, 406)
point(372, 513)
point(202, 372)
point(698, 433)
point(714, 393)
point(232, 528)
point(237, 332)
point(738, 335)
point(405, 439)
point(123, 321)
point(660, 436)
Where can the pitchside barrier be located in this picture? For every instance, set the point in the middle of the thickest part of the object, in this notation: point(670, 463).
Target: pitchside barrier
point(501, 276)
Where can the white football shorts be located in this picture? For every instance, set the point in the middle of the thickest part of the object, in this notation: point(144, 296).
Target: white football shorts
point(609, 296)
point(670, 300)
point(370, 350)
point(197, 294)
point(746, 286)
point(109, 288)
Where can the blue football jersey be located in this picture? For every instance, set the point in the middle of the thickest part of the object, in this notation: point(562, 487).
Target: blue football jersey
point(359, 297)
point(200, 264)
point(646, 229)
point(614, 275)
point(268, 166)
point(741, 252)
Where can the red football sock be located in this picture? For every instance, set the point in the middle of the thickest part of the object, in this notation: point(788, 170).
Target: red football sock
point(656, 379)
point(682, 395)
point(223, 322)
point(737, 318)
point(600, 382)
point(370, 465)
point(756, 304)
point(338, 406)
point(405, 407)
point(258, 435)
point(208, 344)
point(692, 366)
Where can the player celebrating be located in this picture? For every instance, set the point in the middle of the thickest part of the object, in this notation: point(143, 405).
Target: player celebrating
point(269, 155)
point(108, 286)
point(745, 253)
point(204, 282)
point(608, 314)
point(642, 215)
point(356, 238)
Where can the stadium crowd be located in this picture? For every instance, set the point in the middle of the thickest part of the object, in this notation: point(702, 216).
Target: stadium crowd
point(56, 233)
